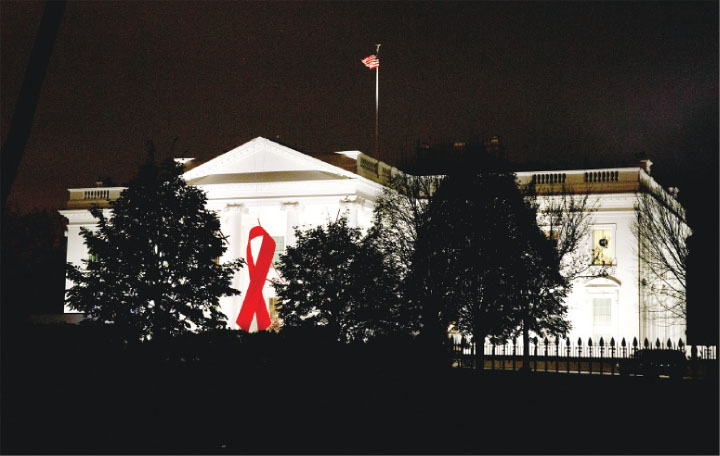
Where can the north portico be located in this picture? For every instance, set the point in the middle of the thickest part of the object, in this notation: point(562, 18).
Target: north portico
point(266, 183)
point(260, 182)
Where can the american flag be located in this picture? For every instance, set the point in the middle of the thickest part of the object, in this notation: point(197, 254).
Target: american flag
point(371, 61)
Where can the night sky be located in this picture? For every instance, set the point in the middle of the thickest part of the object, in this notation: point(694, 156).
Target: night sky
point(567, 84)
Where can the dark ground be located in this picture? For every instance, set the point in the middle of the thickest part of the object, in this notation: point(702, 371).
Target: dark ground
point(69, 393)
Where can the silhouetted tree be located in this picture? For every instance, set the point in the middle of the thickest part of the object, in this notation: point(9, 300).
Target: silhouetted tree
point(33, 263)
point(399, 215)
point(539, 289)
point(563, 215)
point(662, 234)
point(552, 259)
point(400, 212)
point(336, 278)
point(473, 244)
point(153, 269)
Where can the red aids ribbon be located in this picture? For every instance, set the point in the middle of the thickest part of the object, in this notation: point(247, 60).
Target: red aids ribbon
point(254, 302)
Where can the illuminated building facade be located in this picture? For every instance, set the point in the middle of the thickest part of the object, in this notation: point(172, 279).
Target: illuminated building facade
point(280, 188)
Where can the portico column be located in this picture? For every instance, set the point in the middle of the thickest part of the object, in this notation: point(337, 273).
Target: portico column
point(353, 206)
point(234, 230)
point(235, 249)
point(292, 210)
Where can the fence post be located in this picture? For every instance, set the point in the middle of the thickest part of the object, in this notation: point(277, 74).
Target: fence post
point(557, 353)
point(693, 361)
point(545, 341)
point(602, 353)
point(657, 344)
point(459, 349)
point(492, 357)
point(567, 353)
point(484, 352)
point(635, 346)
point(624, 348)
point(612, 355)
point(535, 355)
point(473, 348)
point(514, 352)
point(579, 355)
point(681, 349)
point(453, 345)
point(590, 355)
point(505, 354)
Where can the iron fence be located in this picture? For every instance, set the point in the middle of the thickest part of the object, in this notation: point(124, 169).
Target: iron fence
point(601, 357)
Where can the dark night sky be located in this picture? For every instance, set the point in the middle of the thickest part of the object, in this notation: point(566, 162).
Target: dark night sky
point(569, 84)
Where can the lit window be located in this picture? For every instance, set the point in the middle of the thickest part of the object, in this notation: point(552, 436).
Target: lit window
point(602, 311)
point(602, 247)
point(92, 261)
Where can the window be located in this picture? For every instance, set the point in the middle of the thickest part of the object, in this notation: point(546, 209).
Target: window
point(602, 311)
point(279, 248)
point(92, 261)
point(602, 247)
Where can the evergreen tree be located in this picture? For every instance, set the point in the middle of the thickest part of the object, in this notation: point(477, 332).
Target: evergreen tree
point(485, 257)
point(540, 289)
point(153, 267)
point(467, 242)
point(336, 278)
point(553, 260)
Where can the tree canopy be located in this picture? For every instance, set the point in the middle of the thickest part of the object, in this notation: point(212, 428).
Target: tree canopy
point(336, 278)
point(552, 259)
point(399, 215)
point(153, 268)
point(33, 249)
point(483, 262)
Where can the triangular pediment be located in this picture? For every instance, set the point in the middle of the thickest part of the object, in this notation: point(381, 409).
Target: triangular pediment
point(263, 156)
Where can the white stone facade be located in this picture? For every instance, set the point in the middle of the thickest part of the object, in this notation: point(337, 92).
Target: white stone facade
point(280, 188)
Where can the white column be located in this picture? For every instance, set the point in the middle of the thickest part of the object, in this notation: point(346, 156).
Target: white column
point(351, 206)
point(235, 249)
point(292, 209)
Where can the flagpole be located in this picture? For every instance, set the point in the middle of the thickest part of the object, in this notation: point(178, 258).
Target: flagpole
point(377, 137)
point(377, 96)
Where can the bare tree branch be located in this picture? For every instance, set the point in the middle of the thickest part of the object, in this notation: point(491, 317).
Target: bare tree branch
point(662, 233)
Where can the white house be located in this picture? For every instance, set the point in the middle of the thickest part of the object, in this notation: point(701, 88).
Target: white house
point(613, 297)
point(266, 183)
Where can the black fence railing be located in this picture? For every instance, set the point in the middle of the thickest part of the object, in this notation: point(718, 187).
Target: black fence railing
point(601, 357)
